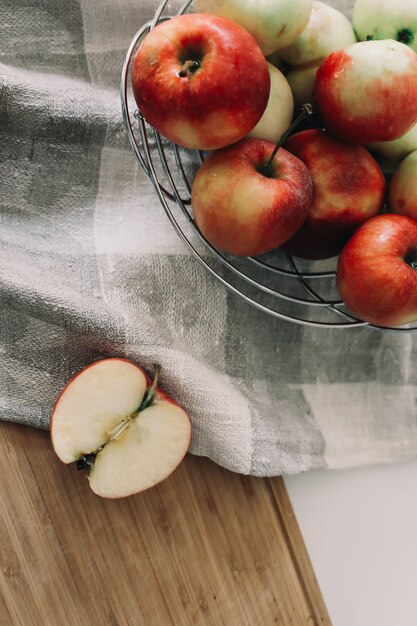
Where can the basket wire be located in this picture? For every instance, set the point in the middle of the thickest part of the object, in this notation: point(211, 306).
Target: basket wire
point(247, 278)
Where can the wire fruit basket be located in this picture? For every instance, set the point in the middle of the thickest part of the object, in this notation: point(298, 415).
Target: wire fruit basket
point(277, 284)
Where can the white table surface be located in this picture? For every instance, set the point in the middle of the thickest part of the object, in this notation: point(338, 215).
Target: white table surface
point(360, 528)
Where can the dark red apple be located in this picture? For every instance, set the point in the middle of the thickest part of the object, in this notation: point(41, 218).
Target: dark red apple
point(245, 208)
point(348, 189)
point(201, 80)
point(377, 271)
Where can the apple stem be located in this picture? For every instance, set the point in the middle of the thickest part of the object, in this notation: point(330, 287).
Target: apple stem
point(189, 67)
point(306, 111)
point(149, 396)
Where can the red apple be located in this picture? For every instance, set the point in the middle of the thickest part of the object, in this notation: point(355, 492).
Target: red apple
point(242, 207)
point(128, 432)
point(200, 80)
point(348, 189)
point(368, 91)
point(377, 271)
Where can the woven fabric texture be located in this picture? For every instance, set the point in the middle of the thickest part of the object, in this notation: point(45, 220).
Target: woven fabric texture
point(90, 267)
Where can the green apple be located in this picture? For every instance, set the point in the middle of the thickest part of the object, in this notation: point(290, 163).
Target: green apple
point(402, 195)
point(328, 30)
point(274, 24)
point(397, 149)
point(279, 110)
point(386, 19)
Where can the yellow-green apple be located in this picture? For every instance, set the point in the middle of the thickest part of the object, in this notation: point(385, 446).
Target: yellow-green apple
point(247, 208)
point(402, 194)
point(274, 24)
point(348, 189)
point(386, 19)
point(397, 149)
point(113, 421)
point(328, 30)
point(368, 91)
point(200, 80)
point(377, 271)
point(279, 111)
point(302, 81)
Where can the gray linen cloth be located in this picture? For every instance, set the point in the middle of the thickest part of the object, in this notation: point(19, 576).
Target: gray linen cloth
point(90, 267)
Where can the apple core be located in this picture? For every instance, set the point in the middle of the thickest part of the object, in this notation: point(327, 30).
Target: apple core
point(86, 461)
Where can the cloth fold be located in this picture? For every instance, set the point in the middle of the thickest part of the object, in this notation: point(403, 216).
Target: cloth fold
point(90, 267)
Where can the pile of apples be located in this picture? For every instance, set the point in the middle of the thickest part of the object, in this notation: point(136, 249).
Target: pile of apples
point(212, 81)
point(230, 78)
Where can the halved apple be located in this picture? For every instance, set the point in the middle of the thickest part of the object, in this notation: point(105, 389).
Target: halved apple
point(112, 420)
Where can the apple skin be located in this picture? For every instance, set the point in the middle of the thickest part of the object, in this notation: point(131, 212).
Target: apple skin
point(273, 24)
point(212, 105)
point(279, 111)
point(396, 149)
point(348, 189)
point(244, 212)
point(402, 195)
point(368, 91)
point(374, 273)
point(328, 30)
point(385, 19)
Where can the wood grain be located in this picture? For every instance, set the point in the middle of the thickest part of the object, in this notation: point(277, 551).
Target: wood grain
point(206, 547)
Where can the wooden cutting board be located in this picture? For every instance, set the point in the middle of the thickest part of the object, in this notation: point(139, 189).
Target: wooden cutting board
point(206, 547)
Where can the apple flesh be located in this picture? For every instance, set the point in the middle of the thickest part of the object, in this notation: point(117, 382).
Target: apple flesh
point(243, 208)
point(386, 19)
point(201, 81)
point(101, 421)
point(368, 91)
point(348, 189)
point(328, 30)
point(377, 271)
point(279, 111)
point(402, 195)
point(273, 24)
